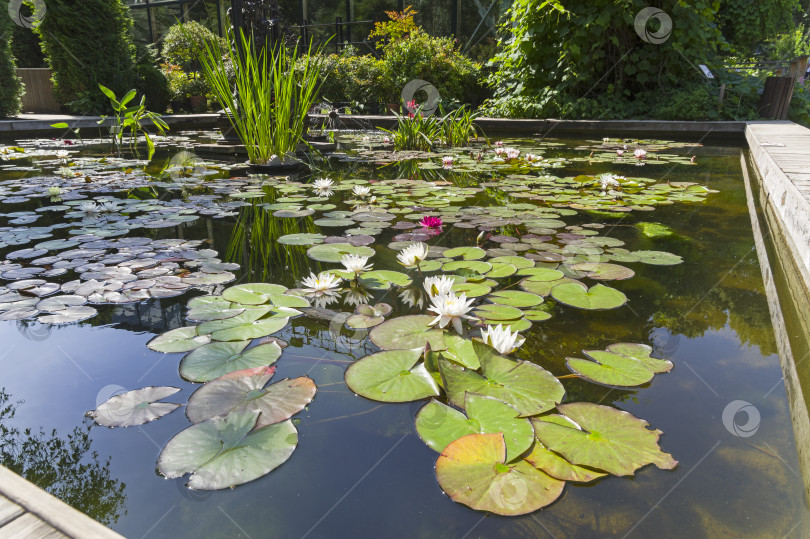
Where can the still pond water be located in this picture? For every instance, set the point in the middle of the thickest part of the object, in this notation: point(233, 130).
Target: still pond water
point(360, 469)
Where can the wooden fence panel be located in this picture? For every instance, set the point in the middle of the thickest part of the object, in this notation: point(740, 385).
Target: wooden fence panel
point(38, 95)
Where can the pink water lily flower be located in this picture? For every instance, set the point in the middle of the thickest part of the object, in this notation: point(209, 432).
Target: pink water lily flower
point(431, 222)
point(447, 161)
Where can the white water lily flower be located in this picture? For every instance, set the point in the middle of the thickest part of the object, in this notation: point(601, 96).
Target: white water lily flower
point(323, 283)
point(355, 264)
point(608, 180)
point(413, 254)
point(502, 339)
point(361, 191)
point(355, 297)
point(447, 161)
point(640, 153)
point(439, 286)
point(325, 299)
point(323, 187)
point(108, 207)
point(412, 297)
point(54, 191)
point(89, 207)
point(606, 139)
point(451, 309)
point(512, 153)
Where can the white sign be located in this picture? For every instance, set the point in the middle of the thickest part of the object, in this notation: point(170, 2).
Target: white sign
point(706, 71)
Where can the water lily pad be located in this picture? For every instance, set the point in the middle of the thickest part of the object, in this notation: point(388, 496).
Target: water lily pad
point(253, 293)
point(654, 230)
point(603, 271)
point(559, 468)
point(473, 471)
point(466, 253)
point(598, 297)
point(438, 424)
point(493, 311)
point(461, 351)
point(183, 339)
point(383, 279)
point(641, 352)
point(69, 315)
point(407, 333)
point(528, 387)
point(245, 390)
point(247, 325)
point(207, 308)
point(476, 266)
point(658, 258)
point(607, 439)
point(226, 451)
point(301, 239)
point(219, 358)
point(610, 369)
point(391, 376)
point(515, 298)
point(334, 252)
point(135, 407)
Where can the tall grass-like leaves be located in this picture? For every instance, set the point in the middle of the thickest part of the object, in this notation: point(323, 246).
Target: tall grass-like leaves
point(417, 132)
point(268, 104)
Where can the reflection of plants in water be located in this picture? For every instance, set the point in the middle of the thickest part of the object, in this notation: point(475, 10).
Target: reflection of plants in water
point(65, 466)
point(254, 244)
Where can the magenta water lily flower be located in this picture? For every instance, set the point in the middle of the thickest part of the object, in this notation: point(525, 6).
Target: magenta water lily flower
point(431, 222)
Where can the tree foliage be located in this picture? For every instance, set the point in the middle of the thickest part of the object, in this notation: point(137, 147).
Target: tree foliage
point(87, 43)
point(11, 89)
point(749, 25)
point(65, 466)
point(558, 53)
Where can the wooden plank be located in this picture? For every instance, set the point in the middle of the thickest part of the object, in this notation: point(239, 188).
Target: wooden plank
point(9, 510)
point(51, 510)
point(38, 96)
point(29, 526)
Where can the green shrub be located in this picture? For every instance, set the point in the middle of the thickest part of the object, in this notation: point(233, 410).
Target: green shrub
point(151, 81)
point(88, 43)
point(790, 45)
point(11, 89)
point(181, 41)
point(579, 57)
point(433, 59)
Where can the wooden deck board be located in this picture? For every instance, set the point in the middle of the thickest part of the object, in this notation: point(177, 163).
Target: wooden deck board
point(28, 512)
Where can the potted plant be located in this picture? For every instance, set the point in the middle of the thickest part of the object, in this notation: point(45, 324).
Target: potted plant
point(266, 106)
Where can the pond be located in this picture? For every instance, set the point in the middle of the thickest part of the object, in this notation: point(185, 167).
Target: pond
point(103, 254)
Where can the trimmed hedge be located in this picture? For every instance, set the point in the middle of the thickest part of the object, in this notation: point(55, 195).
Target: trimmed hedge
point(88, 42)
point(11, 88)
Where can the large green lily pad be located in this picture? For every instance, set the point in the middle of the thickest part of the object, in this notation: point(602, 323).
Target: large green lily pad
point(383, 279)
point(253, 293)
point(598, 297)
point(609, 369)
point(559, 468)
point(608, 439)
point(603, 271)
point(658, 258)
point(182, 339)
point(218, 358)
point(641, 352)
point(226, 451)
point(473, 471)
point(135, 407)
point(245, 391)
point(438, 424)
point(515, 298)
point(247, 325)
point(334, 252)
point(391, 376)
point(406, 333)
point(526, 386)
